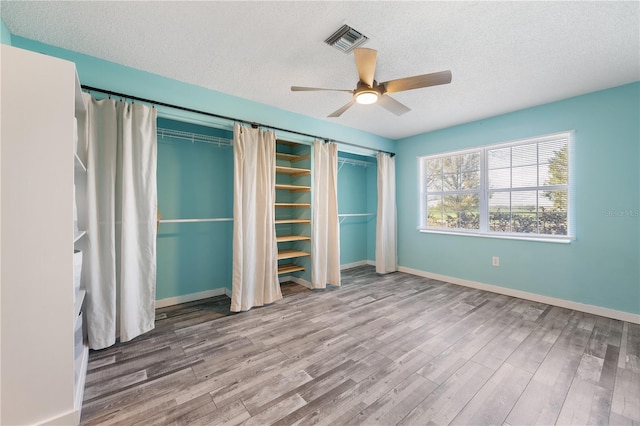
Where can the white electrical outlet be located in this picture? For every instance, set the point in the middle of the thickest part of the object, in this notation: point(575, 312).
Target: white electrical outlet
point(495, 261)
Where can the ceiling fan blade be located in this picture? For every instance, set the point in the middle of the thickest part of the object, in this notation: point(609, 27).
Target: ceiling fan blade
point(416, 82)
point(366, 64)
point(342, 109)
point(390, 104)
point(315, 89)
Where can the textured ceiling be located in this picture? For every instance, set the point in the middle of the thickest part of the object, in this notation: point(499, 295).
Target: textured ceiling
point(503, 56)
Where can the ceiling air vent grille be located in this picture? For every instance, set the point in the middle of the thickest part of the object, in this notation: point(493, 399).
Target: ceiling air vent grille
point(346, 39)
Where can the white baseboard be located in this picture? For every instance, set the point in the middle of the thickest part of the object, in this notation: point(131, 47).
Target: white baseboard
point(352, 264)
point(356, 264)
point(170, 301)
point(301, 281)
point(590, 309)
point(69, 418)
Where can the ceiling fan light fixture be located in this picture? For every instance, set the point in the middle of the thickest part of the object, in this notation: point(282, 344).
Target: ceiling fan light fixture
point(367, 97)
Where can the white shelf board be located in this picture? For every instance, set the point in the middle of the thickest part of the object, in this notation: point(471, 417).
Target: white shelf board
point(79, 165)
point(78, 235)
point(82, 377)
point(78, 304)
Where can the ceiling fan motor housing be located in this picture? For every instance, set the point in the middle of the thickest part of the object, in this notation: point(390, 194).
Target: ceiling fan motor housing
point(365, 94)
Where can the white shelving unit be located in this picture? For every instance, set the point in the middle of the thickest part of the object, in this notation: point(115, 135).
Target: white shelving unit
point(80, 241)
point(42, 379)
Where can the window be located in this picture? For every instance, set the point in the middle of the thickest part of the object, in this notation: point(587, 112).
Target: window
point(519, 189)
point(453, 190)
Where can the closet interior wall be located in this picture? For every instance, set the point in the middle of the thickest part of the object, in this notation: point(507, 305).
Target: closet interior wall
point(357, 194)
point(195, 181)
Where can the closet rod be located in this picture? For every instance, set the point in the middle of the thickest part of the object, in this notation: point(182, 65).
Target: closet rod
point(210, 114)
point(219, 219)
point(346, 215)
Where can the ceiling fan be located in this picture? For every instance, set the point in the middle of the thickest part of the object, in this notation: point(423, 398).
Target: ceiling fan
point(369, 91)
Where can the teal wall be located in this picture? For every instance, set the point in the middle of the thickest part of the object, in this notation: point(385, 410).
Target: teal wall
point(355, 186)
point(5, 35)
point(602, 266)
point(195, 180)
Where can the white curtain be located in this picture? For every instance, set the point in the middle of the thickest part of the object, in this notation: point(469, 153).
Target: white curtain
point(255, 252)
point(122, 204)
point(325, 254)
point(386, 228)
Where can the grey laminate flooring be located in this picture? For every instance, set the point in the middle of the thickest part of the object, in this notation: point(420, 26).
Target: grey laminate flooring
point(394, 349)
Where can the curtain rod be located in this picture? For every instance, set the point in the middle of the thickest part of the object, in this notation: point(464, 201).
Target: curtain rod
point(210, 114)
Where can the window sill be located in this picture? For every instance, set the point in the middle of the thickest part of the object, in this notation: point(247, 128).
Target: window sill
point(537, 238)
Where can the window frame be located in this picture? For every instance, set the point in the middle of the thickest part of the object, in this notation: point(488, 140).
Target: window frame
point(484, 190)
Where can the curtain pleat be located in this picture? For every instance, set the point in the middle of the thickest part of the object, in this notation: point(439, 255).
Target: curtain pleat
point(386, 225)
point(121, 205)
point(255, 252)
point(325, 255)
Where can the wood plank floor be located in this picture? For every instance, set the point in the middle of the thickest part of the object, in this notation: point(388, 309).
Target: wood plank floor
point(382, 350)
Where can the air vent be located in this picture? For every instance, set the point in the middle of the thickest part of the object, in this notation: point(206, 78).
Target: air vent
point(346, 39)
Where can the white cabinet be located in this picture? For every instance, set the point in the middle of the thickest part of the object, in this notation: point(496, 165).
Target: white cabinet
point(42, 367)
